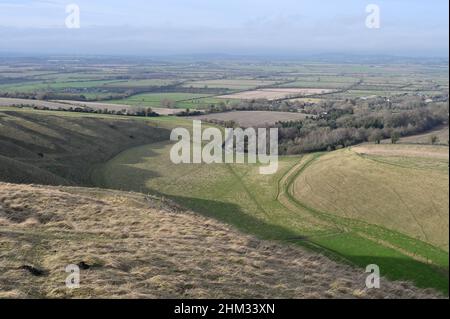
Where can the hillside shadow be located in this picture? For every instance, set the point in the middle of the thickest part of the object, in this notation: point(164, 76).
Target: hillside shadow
point(394, 268)
point(134, 178)
point(400, 269)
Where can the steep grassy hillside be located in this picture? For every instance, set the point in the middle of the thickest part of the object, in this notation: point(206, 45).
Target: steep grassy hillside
point(131, 246)
point(61, 148)
point(266, 206)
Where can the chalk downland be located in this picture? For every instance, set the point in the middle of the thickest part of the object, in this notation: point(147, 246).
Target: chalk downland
point(131, 246)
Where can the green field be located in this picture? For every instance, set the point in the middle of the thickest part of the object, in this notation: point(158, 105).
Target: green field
point(178, 100)
point(368, 204)
point(52, 86)
point(232, 84)
point(139, 83)
point(267, 206)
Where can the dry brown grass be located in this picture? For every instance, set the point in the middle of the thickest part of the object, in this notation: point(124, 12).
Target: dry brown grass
point(441, 133)
point(402, 193)
point(140, 247)
point(424, 151)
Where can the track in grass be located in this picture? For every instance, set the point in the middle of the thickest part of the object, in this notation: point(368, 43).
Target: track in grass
point(265, 206)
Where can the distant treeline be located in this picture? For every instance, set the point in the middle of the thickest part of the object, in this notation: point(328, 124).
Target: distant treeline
point(144, 112)
point(337, 124)
point(343, 124)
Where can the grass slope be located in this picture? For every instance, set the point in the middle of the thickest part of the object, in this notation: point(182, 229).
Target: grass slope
point(265, 206)
point(411, 200)
point(122, 241)
point(51, 148)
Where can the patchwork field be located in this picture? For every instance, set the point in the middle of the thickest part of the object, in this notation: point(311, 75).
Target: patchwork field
point(307, 231)
point(252, 118)
point(275, 93)
point(175, 100)
point(232, 84)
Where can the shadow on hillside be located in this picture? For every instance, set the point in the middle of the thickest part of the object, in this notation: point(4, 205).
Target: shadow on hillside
point(127, 177)
point(403, 269)
point(394, 268)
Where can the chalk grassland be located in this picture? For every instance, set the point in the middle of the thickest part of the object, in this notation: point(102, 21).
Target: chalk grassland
point(442, 135)
point(274, 93)
point(266, 206)
point(363, 183)
point(405, 151)
point(252, 118)
point(120, 240)
point(50, 148)
point(236, 194)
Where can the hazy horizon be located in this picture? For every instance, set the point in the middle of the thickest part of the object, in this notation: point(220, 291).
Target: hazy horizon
point(253, 28)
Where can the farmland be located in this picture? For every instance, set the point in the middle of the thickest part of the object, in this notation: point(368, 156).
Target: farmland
point(233, 195)
point(275, 93)
point(199, 85)
point(270, 208)
point(232, 84)
point(180, 100)
point(441, 135)
point(252, 118)
point(361, 178)
point(411, 198)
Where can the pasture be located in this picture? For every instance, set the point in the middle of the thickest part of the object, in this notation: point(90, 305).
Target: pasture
point(368, 204)
point(122, 241)
point(366, 183)
point(175, 100)
point(252, 118)
point(439, 135)
point(275, 93)
point(231, 84)
point(269, 207)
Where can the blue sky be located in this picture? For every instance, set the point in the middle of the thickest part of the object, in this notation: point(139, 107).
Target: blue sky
point(256, 27)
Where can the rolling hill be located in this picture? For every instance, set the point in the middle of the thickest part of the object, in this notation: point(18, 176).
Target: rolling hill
point(129, 245)
point(270, 208)
point(61, 148)
point(406, 238)
point(400, 187)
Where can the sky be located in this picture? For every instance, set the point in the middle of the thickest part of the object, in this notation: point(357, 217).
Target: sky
point(236, 27)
